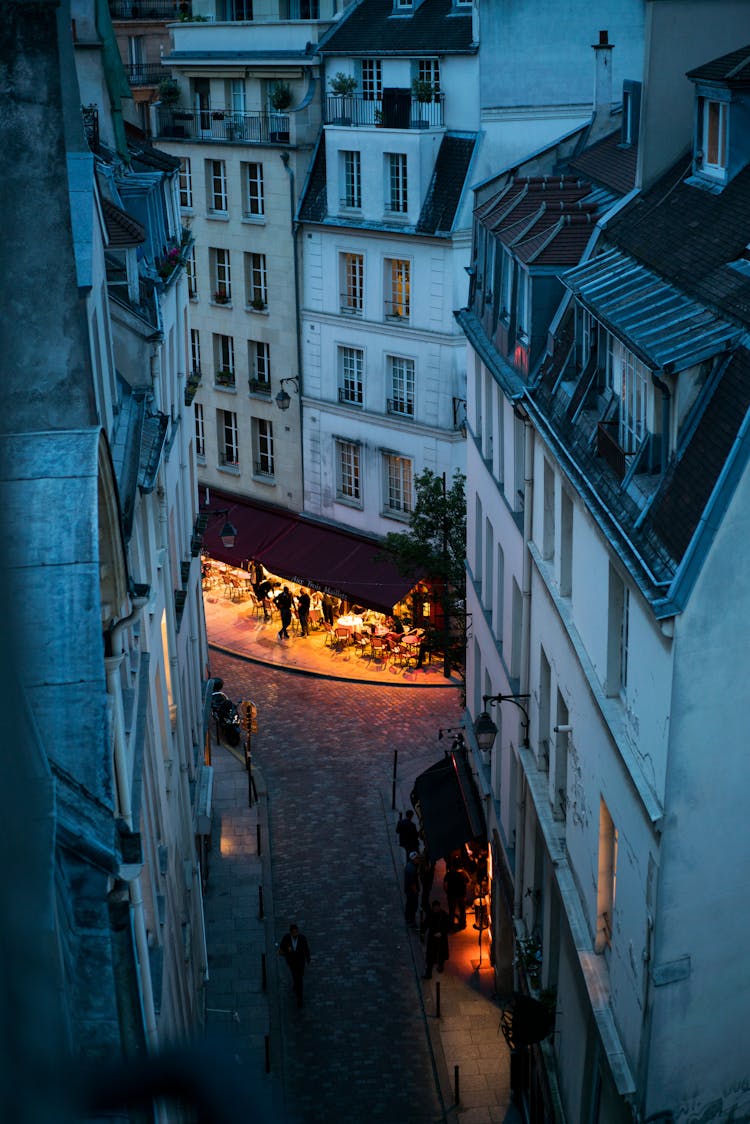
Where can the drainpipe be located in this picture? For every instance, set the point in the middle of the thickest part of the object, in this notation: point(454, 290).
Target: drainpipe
point(528, 510)
point(666, 396)
point(295, 232)
point(112, 665)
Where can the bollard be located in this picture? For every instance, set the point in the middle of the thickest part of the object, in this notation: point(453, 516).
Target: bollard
point(268, 1053)
point(437, 999)
point(395, 772)
point(455, 1085)
point(260, 903)
point(257, 835)
point(263, 971)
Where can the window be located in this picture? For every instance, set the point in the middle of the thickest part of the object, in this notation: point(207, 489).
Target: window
point(559, 794)
point(351, 361)
point(397, 479)
point(216, 187)
point(545, 694)
point(224, 360)
point(352, 282)
point(428, 70)
point(548, 513)
point(259, 365)
point(499, 596)
point(489, 554)
point(263, 446)
point(397, 288)
point(200, 432)
point(566, 544)
point(191, 275)
point(396, 187)
point(222, 275)
point(515, 625)
point(506, 296)
point(714, 127)
point(606, 885)
point(628, 377)
point(618, 635)
point(186, 183)
point(252, 196)
point(195, 349)
point(229, 449)
point(402, 385)
point(372, 80)
point(347, 471)
point(352, 180)
point(240, 11)
point(237, 98)
point(256, 281)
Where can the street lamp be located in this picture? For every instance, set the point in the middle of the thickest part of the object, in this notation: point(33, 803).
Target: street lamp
point(485, 729)
point(228, 531)
point(283, 399)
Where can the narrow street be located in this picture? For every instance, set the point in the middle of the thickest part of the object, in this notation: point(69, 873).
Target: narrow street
point(360, 1048)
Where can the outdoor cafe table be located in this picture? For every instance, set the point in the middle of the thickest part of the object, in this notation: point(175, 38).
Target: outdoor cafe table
point(352, 623)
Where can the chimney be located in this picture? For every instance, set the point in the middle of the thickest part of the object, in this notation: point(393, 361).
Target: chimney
point(601, 124)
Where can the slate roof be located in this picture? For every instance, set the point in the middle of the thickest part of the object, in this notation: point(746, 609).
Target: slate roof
point(733, 69)
point(608, 162)
point(150, 158)
point(372, 30)
point(689, 236)
point(123, 230)
point(544, 220)
point(448, 179)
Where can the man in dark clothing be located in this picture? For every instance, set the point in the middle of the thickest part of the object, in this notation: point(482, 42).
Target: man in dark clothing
point(284, 602)
point(411, 889)
point(436, 942)
point(406, 830)
point(264, 593)
point(328, 608)
point(455, 883)
point(303, 611)
point(296, 951)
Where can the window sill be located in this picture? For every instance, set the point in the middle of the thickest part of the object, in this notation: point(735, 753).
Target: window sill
point(396, 216)
point(255, 220)
point(345, 310)
point(399, 516)
point(348, 502)
point(200, 458)
point(218, 216)
point(393, 319)
point(221, 304)
point(264, 478)
point(229, 387)
point(257, 311)
point(230, 469)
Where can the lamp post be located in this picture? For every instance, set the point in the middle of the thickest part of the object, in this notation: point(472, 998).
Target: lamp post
point(228, 531)
point(283, 399)
point(485, 729)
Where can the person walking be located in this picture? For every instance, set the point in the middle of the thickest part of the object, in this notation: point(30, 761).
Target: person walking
point(436, 939)
point(303, 611)
point(296, 951)
point(407, 832)
point(455, 883)
point(284, 602)
point(411, 890)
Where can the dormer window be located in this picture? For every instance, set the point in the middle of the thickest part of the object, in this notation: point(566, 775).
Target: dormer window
point(714, 120)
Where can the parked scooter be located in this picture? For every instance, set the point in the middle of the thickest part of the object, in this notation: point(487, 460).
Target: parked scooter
point(227, 718)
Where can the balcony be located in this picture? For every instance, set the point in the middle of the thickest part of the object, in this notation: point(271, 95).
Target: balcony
point(166, 11)
point(397, 109)
point(144, 73)
point(221, 125)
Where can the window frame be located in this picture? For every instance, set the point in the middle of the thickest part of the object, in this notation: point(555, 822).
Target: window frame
point(253, 202)
point(717, 169)
point(256, 280)
point(352, 273)
point(348, 477)
point(398, 284)
point(195, 349)
point(398, 485)
point(397, 196)
point(351, 364)
point(217, 196)
point(371, 79)
point(191, 273)
point(186, 184)
point(222, 271)
point(351, 179)
point(402, 382)
point(224, 360)
point(259, 363)
point(229, 443)
point(263, 452)
point(200, 430)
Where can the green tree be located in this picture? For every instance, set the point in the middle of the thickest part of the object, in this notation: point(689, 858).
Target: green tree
point(434, 549)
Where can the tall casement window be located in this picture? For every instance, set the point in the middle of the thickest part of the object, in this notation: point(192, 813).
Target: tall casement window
point(190, 273)
point(352, 270)
point(606, 885)
point(618, 635)
point(372, 80)
point(222, 275)
point(200, 432)
point(401, 379)
point(195, 350)
point(428, 70)
point(397, 288)
point(396, 190)
point(253, 206)
point(351, 364)
point(223, 360)
point(351, 193)
point(237, 98)
point(397, 477)
point(186, 183)
point(228, 439)
point(263, 446)
point(256, 281)
point(216, 187)
point(347, 471)
point(259, 365)
point(714, 128)
point(628, 377)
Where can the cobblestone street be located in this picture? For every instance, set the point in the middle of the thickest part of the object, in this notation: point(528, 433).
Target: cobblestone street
point(360, 1047)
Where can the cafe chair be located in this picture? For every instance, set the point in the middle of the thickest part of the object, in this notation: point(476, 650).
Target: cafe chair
point(361, 643)
point(330, 640)
point(379, 649)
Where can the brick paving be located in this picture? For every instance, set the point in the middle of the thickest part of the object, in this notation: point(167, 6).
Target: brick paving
point(367, 1045)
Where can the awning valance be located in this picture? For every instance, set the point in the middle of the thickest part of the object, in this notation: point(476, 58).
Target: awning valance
point(448, 806)
point(312, 554)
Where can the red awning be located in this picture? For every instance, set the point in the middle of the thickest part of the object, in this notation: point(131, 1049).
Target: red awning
point(312, 554)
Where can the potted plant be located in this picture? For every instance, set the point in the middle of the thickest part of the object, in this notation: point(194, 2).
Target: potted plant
point(225, 377)
point(422, 90)
point(280, 96)
point(169, 91)
point(342, 85)
point(221, 296)
point(258, 304)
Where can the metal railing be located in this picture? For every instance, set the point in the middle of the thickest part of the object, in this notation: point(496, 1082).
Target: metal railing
point(401, 406)
point(350, 303)
point(403, 112)
point(144, 73)
point(167, 10)
point(259, 386)
point(223, 125)
point(396, 310)
point(351, 397)
point(264, 468)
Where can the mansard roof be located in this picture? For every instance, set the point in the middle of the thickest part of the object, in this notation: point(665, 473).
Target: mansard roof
point(372, 29)
point(544, 220)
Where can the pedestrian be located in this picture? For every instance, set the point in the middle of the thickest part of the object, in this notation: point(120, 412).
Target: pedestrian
point(411, 889)
point(296, 951)
point(455, 883)
point(284, 602)
point(264, 594)
point(407, 832)
point(436, 943)
point(328, 608)
point(303, 611)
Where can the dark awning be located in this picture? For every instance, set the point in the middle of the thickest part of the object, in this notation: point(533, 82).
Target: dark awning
point(448, 806)
point(312, 554)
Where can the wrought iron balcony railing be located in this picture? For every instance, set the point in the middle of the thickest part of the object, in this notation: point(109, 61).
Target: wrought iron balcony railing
point(223, 125)
point(165, 10)
point(144, 73)
point(397, 109)
point(401, 406)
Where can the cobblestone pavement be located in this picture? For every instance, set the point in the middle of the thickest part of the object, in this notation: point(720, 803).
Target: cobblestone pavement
point(359, 1050)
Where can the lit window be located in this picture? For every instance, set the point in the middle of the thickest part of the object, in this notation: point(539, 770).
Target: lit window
point(256, 281)
point(186, 183)
point(606, 885)
point(397, 480)
point(715, 118)
point(351, 361)
point(352, 180)
point(263, 446)
point(352, 282)
point(200, 432)
point(216, 181)
point(253, 195)
point(397, 288)
point(402, 385)
point(347, 471)
point(228, 439)
point(397, 199)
